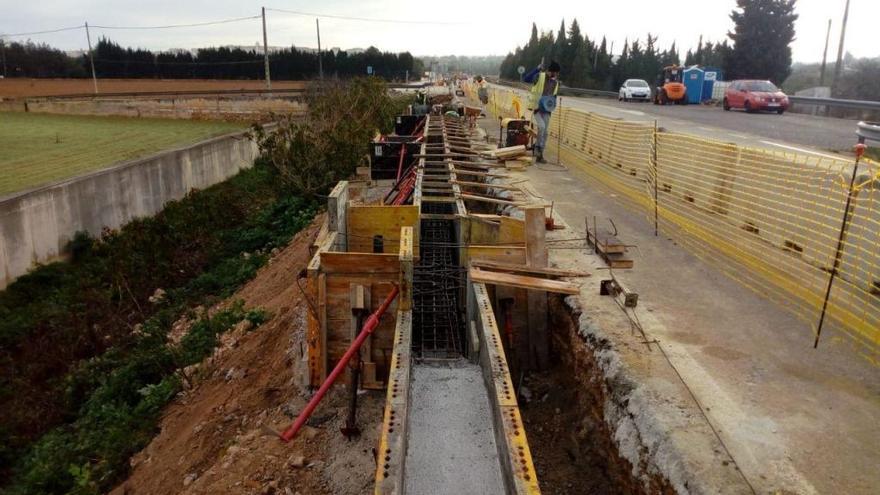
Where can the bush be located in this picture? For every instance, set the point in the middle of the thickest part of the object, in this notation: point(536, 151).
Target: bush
point(119, 418)
point(313, 155)
point(66, 329)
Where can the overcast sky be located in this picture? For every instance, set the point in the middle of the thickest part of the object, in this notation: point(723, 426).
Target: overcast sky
point(463, 28)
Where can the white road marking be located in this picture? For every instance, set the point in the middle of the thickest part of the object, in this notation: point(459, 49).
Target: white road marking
point(793, 148)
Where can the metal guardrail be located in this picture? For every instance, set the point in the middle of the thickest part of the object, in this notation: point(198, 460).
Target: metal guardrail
point(565, 91)
point(835, 102)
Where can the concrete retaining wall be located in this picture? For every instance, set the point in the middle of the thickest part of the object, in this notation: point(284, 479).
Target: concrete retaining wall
point(35, 225)
point(174, 107)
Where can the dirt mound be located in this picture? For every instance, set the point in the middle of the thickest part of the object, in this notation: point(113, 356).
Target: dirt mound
point(213, 438)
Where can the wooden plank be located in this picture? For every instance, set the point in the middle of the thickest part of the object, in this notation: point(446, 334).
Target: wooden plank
point(459, 171)
point(508, 254)
point(486, 199)
point(359, 263)
point(549, 272)
point(322, 334)
point(365, 222)
point(485, 185)
point(536, 257)
point(523, 282)
point(325, 246)
point(513, 230)
point(405, 261)
point(535, 231)
point(314, 336)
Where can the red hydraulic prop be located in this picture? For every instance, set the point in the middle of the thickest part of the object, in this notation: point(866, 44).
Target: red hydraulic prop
point(369, 325)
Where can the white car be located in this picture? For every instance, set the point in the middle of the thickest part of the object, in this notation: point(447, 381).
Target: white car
point(634, 89)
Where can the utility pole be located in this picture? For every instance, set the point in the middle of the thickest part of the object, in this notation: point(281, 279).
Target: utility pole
point(825, 55)
point(3, 54)
point(266, 52)
point(837, 66)
point(698, 58)
point(91, 58)
point(320, 64)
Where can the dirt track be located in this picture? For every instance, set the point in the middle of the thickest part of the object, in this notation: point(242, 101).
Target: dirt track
point(15, 87)
point(213, 440)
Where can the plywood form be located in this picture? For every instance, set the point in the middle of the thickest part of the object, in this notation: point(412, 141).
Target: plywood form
point(365, 222)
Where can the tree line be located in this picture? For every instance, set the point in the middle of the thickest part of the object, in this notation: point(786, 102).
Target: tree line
point(760, 49)
point(30, 59)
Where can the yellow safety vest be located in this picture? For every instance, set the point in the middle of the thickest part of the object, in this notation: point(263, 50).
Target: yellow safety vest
point(538, 90)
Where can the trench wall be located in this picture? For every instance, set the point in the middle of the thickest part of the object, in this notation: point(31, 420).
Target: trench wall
point(35, 225)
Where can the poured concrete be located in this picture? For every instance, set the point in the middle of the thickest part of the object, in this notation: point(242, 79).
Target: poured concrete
point(451, 445)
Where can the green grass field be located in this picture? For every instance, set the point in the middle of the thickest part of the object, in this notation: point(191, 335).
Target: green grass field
point(37, 149)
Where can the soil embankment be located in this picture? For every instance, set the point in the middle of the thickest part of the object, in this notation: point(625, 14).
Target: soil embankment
point(213, 438)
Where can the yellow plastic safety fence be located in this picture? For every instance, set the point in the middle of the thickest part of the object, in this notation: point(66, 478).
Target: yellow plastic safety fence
point(503, 103)
point(772, 221)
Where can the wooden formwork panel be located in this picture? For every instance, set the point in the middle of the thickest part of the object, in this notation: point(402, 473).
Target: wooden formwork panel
point(366, 222)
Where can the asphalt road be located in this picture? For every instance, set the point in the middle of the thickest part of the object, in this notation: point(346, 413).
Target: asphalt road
point(788, 132)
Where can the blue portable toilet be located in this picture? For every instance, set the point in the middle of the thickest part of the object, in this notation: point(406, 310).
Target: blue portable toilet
point(710, 75)
point(693, 83)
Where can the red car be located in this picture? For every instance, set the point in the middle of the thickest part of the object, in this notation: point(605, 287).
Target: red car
point(754, 96)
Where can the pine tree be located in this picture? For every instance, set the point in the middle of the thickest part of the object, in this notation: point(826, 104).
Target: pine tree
point(575, 40)
point(559, 46)
point(762, 36)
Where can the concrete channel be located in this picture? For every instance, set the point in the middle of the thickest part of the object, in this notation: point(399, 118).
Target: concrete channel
point(452, 424)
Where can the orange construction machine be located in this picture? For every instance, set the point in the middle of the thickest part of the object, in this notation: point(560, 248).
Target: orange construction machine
point(670, 87)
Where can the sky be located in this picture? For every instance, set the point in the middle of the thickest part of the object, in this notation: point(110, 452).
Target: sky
point(460, 27)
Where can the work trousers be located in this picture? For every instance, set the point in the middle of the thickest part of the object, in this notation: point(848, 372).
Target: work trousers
point(542, 122)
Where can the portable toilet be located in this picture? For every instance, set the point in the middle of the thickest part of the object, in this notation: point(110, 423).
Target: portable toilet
point(710, 75)
point(693, 83)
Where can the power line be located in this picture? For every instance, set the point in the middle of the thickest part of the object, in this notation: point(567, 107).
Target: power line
point(58, 30)
point(364, 19)
point(194, 24)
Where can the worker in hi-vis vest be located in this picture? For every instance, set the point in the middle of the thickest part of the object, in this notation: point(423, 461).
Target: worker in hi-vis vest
point(543, 101)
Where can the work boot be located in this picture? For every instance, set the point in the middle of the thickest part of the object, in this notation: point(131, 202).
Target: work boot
point(540, 157)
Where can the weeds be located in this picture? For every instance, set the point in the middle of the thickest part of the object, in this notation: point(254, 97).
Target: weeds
point(83, 365)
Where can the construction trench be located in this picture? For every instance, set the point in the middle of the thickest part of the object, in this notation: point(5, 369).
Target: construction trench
point(453, 273)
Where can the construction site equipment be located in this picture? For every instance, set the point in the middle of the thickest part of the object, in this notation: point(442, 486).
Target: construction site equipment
point(365, 332)
point(515, 132)
point(606, 244)
point(389, 156)
point(669, 87)
point(614, 288)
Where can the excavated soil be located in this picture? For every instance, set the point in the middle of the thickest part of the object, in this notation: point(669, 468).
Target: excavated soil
point(563, 409)
point(215, 437)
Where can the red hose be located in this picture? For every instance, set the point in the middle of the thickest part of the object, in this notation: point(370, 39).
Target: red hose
point(400, 162)
point(369, 325)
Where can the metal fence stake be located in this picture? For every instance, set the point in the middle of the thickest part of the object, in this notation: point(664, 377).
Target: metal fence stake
point(840, 240)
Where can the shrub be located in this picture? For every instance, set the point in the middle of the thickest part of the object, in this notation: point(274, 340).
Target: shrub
point(312, 155)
